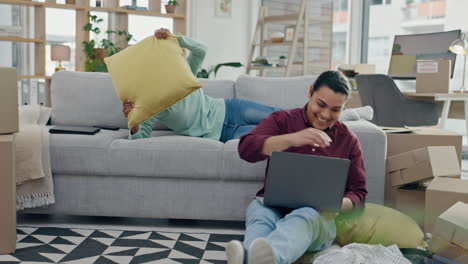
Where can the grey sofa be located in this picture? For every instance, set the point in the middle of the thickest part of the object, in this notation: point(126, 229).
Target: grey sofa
point(168, 176)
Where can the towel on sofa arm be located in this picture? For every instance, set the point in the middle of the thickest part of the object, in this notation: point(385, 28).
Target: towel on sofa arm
point(33, 173)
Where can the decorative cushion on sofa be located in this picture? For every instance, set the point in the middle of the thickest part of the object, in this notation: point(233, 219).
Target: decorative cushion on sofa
point(377, 224)
point(152, 74)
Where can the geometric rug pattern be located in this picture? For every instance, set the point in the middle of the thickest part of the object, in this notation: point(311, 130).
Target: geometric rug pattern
point(83, 246)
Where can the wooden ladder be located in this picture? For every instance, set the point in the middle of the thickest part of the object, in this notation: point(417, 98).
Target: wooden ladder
point(301, 19)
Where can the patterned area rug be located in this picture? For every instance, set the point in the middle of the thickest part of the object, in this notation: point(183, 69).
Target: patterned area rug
point(72, 246)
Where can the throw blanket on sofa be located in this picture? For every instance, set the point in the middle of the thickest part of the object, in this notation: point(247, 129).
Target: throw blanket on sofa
point(33, 172)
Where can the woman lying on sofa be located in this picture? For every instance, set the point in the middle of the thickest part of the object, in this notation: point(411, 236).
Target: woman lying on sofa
point(199, 115)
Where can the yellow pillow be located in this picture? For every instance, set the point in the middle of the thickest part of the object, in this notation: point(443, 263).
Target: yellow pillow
point(377, 224)
point(153, 75)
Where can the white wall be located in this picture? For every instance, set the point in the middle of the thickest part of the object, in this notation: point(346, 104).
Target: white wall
point(228, 38)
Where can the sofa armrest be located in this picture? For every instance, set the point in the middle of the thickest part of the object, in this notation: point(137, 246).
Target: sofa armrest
point(374, 147)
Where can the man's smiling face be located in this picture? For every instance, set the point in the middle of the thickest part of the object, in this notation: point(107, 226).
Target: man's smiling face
point(324, 107)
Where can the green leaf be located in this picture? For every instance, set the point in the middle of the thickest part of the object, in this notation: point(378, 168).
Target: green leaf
point(88, 27)
point(228, 64)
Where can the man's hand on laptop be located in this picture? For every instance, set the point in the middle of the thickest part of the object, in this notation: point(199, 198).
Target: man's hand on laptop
point(347, 204)
point(310, 136)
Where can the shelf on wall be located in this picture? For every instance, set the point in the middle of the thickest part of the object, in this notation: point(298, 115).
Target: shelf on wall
point(270, 43)
point(22, 2)
point(64, 6)
point(259, 67)
point(267, 67)
point(283, 18)
point(19, 39)
point(31, 77)
point(135, 12)
point(118, 15)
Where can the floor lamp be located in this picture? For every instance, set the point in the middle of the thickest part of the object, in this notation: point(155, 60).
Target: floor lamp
point(460, 47)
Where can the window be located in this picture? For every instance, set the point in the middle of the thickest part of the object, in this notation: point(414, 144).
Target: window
point(60, 28)
point(412, 17)
point(341, 31)
point(379, 52)
point(339, 47)
point(12, 25)
point(340, 5)
point(380, 2)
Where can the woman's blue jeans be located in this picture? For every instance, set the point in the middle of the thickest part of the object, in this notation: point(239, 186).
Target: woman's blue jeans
point(242, 116)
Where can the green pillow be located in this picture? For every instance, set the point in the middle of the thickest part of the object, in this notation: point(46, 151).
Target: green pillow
point(377, 224)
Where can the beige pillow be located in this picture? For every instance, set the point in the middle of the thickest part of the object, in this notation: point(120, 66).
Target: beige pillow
point(153, 75)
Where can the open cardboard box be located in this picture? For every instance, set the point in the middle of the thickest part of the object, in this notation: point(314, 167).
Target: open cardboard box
point(452, 225)
point(442, 194)
point(448, 250)
point(404, 139)
point(422, 165)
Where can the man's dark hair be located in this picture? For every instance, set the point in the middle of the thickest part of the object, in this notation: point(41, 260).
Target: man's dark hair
point(335, 80)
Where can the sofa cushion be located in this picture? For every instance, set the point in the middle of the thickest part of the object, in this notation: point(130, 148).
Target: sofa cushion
point(166, 155)
point(85, 99)
point(218, 88)
point(234, 168)
point(82, 154)
point(287, 93)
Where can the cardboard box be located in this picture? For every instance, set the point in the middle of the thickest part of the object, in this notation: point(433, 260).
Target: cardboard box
point(448, 250)
point(8, 101)
point(441, 194)
point(401, 140)
point(423, 164)
point(411, 200)
point(7, 195)
point(452, 225)
point(433, 76)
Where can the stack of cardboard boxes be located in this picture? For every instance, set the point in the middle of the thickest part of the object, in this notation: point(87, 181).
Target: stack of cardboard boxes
point(423, 181)
point(411, 172)
point(8, 126)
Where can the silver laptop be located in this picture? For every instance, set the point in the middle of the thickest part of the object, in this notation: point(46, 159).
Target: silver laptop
point(300, 180)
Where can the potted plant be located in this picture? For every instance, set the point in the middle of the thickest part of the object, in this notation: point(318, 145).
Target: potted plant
point(203, 73)
point(97, 50)
point(170, 6)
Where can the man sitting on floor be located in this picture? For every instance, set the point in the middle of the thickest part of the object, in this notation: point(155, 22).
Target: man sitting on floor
point(280, 236)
